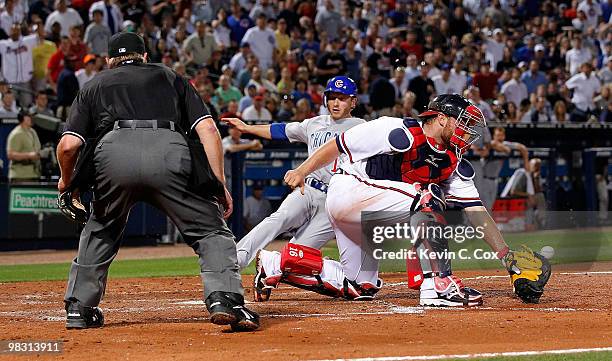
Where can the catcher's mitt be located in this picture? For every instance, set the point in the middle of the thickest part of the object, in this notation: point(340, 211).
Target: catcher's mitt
point(529, 273)
point(72, 208)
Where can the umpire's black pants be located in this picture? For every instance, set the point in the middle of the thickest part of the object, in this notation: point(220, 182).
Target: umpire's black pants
point(153, 166)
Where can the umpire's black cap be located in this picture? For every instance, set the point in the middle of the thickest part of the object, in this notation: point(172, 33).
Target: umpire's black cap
point(125, 43)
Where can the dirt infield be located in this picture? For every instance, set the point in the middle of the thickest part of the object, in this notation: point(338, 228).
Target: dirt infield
point(164, 319)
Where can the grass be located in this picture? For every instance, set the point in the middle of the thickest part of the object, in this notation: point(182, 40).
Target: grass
point(570, 247)
point(586, 356)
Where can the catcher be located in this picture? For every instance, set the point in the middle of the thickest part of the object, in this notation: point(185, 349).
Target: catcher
point(401, 165)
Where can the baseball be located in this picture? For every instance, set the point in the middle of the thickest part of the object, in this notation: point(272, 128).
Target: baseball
point(547, 251)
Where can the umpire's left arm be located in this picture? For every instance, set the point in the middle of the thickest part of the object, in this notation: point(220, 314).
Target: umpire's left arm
point(211, 139)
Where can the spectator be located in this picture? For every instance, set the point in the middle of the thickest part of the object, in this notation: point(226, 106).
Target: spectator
point(283, 42)
point(41, 53)
point(9, 107)
point(257, 111)
point(233, 143)
point(328, 20)
point(262, 41)
point(585, 86)
point(412, 46)
point(287, 111)
point(17, 63)
point(309, 43)
point(111, 14)
point(285, 84)
point(226, 92)
point(398, 82)
point(301, 91)
point(247, 99)
point(262, 7)
point(605, 74)
point(67, 89)
point(364, 47)
point(526, 52)
point(97, 34)
point(408, 105)
point(485, 108)
point(540, 112)
point(444, 83)
point(495, 48)
point(56, 62)
point(353, 57)
point(9, 16)
point(88, 71)
point(577, 56)
point(239, 22)
point(592, 11)
point(422, 87)
point(22, 149)
point(262, 84)
point(515, 90)
point(132, 10)
point(486, 81)
point(509, 113)
point(238, 61)
point(331, 63)
point(199, 46)
point(379, 62)
point(39, 11)
point(63, 15)
point(41, 104)
point(560, 113)
point(256, 208)
point(458, 26)
point(78, 49)
point(221, 33)
point(507, 62)
point(533, 77)
point(395, 53)
point(303, 110)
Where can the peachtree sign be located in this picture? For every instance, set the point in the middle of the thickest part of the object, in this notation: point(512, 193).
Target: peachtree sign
point(32, 200)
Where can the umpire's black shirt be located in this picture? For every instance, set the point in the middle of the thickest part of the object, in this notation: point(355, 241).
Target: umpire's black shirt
point(133, 90)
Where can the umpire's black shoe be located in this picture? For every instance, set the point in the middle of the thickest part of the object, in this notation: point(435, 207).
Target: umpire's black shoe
point(78, 317)
point(227, 308)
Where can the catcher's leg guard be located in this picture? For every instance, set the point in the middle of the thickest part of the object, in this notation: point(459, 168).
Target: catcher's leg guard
point(304, 267)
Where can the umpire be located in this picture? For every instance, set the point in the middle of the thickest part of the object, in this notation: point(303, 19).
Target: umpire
point(136, 119)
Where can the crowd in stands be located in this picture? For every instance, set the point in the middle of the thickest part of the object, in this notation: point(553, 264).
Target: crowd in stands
point(521, 61)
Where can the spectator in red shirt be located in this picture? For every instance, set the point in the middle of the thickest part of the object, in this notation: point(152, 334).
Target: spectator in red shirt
point(78, 49)
point(486, 81)
point(411, 45)
point(56, 62)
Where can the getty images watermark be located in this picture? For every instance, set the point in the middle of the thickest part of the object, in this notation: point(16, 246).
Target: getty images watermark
point(406, 232)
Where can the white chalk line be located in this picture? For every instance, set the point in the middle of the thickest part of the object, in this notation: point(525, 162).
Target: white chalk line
point(478, 355)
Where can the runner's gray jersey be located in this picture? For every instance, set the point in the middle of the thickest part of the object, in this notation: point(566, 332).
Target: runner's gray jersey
point(317, 131)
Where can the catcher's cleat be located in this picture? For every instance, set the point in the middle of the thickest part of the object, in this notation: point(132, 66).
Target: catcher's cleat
point(227, 308)
point(79, 317)
point(262, 291)
point(449, 292)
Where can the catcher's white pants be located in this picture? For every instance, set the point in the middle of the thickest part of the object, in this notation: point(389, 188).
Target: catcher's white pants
point(347, 197)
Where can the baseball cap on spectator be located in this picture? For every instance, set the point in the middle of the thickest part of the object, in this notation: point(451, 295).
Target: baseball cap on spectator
point(522, 64)
point(89, 57)
point(445, 66)
point(245, 44)
point(539, 47)
point(224, 68)
point(498, 31)
point(258, 97)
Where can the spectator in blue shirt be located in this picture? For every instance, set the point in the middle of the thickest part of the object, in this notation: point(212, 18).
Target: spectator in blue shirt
point(527, 51)
point(533, 77)
point(310, 43)
point(239, 22)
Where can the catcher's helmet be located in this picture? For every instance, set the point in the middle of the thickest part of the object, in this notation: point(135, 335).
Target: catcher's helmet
point(342, 85)
point(467, 114)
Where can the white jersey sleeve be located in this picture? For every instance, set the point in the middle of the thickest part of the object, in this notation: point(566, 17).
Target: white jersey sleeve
point(460, 192)
point(297, 131)
point(380, 136)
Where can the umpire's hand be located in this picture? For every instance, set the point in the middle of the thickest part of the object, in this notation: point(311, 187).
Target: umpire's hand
point(227, 203)
point(295, 178)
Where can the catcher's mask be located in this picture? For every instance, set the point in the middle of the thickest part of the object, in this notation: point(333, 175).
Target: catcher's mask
point(467, 115)
point(72, 208)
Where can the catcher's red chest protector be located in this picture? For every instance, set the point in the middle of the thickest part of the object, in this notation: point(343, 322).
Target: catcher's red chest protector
point(426, 161)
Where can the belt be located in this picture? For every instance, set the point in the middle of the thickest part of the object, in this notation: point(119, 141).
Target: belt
point(145, 123)
point(316, 184)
